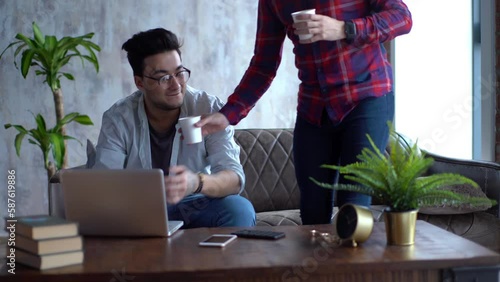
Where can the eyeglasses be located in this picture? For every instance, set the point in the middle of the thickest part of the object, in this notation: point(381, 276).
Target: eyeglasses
point(166, 80)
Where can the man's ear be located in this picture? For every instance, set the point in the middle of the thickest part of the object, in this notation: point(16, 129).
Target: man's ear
point(139, 83)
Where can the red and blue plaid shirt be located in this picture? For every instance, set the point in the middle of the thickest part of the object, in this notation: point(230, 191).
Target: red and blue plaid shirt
point(335, 75)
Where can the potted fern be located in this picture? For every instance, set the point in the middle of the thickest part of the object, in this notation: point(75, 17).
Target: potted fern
point(396, 181)
point(47, 55)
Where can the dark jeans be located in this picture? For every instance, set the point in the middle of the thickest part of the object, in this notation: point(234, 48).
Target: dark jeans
point(336, 144)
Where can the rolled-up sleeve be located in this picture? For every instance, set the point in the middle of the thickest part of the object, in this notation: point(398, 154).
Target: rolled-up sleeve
point(224, 154)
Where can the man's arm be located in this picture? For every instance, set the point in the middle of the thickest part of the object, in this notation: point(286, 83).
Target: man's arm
point(182, 182)
point(259, 75)
point(221, 184)
point(389, 18)
point(110, 149)
point(223, 156)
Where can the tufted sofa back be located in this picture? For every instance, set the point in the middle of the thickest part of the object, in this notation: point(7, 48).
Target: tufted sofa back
point(267, 159)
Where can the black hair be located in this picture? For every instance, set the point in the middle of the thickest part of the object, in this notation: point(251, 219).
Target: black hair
point(148, 43)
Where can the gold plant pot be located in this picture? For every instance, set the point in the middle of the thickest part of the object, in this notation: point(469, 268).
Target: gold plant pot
point(400, 227)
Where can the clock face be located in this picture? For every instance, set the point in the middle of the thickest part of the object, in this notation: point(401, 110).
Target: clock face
point(354, 223)
point(347, 221)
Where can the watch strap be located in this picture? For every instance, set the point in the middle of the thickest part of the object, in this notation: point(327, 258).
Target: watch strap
point(350, 30)
point(201, 178)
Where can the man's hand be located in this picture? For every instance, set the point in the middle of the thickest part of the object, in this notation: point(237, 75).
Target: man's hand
point(212, 123)
point(179, 183)
point(321, 27)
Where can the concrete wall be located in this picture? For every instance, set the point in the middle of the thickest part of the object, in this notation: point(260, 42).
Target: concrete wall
point(218, 44)
point(497, 116)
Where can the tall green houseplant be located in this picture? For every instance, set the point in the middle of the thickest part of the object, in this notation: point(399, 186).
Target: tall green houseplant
point(47, 55)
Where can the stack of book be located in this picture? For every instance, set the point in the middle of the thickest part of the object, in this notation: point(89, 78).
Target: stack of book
point(45, 242)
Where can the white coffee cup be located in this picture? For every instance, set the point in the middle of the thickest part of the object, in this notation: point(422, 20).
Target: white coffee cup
point(310, 11)
point(191, 133)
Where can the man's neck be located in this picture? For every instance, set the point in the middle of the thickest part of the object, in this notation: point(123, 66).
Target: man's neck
point(162, 120)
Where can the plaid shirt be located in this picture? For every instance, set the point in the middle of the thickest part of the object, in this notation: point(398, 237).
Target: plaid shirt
point(335, 75)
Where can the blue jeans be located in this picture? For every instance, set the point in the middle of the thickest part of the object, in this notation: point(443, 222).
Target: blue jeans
point(200, 211)
point(336, 144)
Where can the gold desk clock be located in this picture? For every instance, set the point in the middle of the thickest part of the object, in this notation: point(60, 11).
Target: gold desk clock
point(354, 223)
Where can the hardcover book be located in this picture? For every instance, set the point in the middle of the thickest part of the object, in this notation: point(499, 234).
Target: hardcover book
point(39, 227)
point(49, 261)
point(49, 246)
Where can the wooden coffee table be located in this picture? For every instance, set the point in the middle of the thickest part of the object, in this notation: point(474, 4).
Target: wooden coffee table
point(436, 256)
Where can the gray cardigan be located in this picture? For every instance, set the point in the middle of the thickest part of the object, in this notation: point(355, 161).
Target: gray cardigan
point(124, 138)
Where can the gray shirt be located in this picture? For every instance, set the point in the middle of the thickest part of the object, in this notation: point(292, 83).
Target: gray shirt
point(124, 140)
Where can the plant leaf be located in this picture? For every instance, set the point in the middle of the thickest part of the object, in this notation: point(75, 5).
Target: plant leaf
point(18, 142)
point(58, 149)
point(40, 123)
point(16, 126)
point(68, 118)
point(34, 142)
point(39, 72)
point(11, 45)
point(83, 119)
point(19, 48)
point(50, 44)
point(62, 62)
point(69, 76)
point(38, 137)
point(86, 36)
point(67, 137)
point(38, 34)
point(26, 61)
point(31, 43)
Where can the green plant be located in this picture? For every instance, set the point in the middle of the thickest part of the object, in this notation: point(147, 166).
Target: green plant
point(48, 139)
point(49, 55)
point(396, 181)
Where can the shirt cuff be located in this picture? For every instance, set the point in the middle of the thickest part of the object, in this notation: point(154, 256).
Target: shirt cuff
point(233, 113)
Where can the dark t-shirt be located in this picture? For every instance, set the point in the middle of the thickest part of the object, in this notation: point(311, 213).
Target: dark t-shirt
point(161, 148)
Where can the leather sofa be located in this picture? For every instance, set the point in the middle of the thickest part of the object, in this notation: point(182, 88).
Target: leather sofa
point(267, 159)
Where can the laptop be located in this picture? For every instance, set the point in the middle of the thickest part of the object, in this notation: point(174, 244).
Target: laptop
point(122, 202)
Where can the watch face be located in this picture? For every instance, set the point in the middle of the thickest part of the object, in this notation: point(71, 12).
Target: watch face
point(347, 220)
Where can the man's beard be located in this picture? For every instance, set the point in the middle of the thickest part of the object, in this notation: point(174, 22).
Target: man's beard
point(166, 107)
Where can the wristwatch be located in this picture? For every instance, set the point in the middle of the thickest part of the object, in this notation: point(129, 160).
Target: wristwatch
point(201, 178)
point(350, 30)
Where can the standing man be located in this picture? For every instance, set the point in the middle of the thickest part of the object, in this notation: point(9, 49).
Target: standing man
point(202, 180)
point(346, 89)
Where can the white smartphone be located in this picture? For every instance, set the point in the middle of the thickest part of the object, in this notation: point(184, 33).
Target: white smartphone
point(218, 240)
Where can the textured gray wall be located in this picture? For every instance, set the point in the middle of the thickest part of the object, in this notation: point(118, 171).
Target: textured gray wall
point(218, 44)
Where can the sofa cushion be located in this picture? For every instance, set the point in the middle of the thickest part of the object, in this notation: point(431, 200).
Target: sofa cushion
point(292, 217)
point(277, 218)
point(480, 227)
point(466, 190)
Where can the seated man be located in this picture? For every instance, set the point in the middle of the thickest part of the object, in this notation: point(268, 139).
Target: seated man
point(202, 180)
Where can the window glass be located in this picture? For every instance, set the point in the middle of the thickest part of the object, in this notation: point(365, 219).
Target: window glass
point(433, 77)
